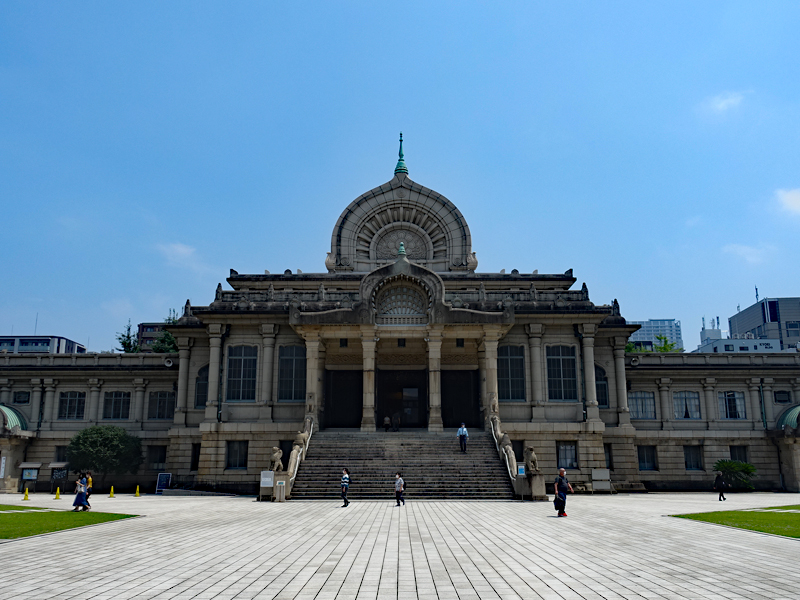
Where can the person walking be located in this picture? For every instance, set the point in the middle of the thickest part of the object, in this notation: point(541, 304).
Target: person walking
point(80, 494)
point(399, 488)
point(719, 485)
point(88, 487)
point(387, 423)
point(463, 436)
point(562, 486)
point(345, 487)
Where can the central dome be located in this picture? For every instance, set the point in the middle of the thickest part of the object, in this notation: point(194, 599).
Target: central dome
point(369, 231)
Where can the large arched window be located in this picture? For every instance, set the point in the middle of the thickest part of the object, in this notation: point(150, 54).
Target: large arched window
point(402, 304)
point(511, 374)
point(292, 374)
point(601, 385)
point(201, 388)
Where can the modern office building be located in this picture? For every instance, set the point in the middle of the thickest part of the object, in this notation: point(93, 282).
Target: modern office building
point(148, 334)
point(40, 343)
point(669, 328)
point(770, 318)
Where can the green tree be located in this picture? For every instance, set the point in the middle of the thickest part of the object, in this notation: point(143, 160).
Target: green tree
point(172, 318)
point(664, 345)
point(105, 449)
point(166, 342)
point(631, 347)
point(735, 473)
point(128, 340)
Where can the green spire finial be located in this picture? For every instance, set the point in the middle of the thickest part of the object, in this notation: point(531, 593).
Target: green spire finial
point(401, 165)
point(402, 251)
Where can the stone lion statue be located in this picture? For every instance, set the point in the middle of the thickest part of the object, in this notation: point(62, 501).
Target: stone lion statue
point(301, 439)
point(275, 459)
point(531, 462)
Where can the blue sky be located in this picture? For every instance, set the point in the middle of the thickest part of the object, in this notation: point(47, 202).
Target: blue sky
point(145, 149)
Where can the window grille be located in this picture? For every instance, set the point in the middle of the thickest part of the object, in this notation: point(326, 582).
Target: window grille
point(686, 405)
point(292, 374)
point(161, 405)
point(647, 458)
point(242, 367)
point(236, 455)
point(402, 305)
point(731, 405)
point(511, 373)
point(562, 379)
point(116, 405)
point(567, 455)
point(71, 405)
point(642, 405)
point(693, 458)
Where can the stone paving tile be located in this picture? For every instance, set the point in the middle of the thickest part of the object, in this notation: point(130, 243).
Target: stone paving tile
point(610, 547)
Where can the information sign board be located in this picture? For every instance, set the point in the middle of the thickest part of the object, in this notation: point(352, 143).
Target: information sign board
point(30, 474)
point(267, 478)
point(58, 474)
point(163, 481)
point(2, 467)
point(521, 469)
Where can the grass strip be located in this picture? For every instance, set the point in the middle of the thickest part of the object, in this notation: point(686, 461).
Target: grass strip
point(791, 507)
point(20, 524)
point(787, 524)
point(4, 507)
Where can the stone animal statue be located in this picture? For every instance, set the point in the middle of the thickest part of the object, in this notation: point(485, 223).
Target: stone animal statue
point(531, 462)
point(301, 439)
point(275, 459)
point(511, 460)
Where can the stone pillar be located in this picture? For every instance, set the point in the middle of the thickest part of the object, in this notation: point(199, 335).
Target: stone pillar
point(754, 405)
point(368, 347)
point(214, 355)
point(489, 345)
point(587, 343)
point(434, 340)
point(709, 390)
point(313, 375)
point(769, 402)
point(623, 412)
point(535, 332)
point(50, 401)
point(36, 402)
point(268, 360)
point(139, 386)
point(184, 344)
point(94, 411)
point(5, 391)
point(482, 384)
point(667, 410)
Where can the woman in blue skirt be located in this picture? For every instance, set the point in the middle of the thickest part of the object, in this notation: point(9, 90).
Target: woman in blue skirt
point(80, 495)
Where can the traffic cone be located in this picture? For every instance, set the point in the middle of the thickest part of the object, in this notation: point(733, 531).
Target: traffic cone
point(26, 494)
point(137, 492)
point(58, 493)
point(111, 495)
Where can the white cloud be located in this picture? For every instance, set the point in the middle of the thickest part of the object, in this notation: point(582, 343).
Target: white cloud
point(724, 101)
point(183, 257)
point(750, 254)
point(789, 200)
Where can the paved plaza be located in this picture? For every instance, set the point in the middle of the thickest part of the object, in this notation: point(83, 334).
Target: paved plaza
point(609, 547)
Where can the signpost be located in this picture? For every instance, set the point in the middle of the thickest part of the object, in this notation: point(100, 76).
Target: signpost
point(163, 481)
point(266, 485)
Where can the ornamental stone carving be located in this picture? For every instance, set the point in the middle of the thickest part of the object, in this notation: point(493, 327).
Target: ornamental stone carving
point(416, 248)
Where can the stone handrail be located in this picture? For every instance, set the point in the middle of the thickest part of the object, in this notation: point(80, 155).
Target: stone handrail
point(502, 451)
point(298, 454)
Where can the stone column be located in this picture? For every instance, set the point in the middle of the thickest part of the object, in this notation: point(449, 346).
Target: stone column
point(50, 400)
point(368, 347)
point(709, 390)
point(184, 344)
point(482, 384)
point(623, 412)
point(268, 359)
point(94, 411)
point(139, 386)
point(215, 352)
point(5, 391)
point(769, 401)
point(434, 340)
point(313, 398)
point(535, 332)
point(489, 344)
point(754, 405)
point(592, 410)
point(667, 415)
point(36, 402)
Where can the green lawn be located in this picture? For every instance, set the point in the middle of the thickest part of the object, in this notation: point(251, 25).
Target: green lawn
point(787, 524)
point(15, 507)
point(21, 523)
point(792, 507)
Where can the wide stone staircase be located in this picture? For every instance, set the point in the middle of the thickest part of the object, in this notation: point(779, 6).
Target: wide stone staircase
point(431, 463)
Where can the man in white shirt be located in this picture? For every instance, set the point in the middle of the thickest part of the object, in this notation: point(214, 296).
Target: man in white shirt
point(462, 436)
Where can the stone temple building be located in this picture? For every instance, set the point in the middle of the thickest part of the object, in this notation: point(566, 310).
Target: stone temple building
point(401, 324)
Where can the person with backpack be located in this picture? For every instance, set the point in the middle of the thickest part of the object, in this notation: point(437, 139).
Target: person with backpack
point(345, 487)
point(562, 486)
point(399, 488)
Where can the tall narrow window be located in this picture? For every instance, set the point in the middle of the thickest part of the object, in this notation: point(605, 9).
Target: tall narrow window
point(194, 463)
point(739, 453)
point(567, 455)
point(511, 374)
point(157, 458)
point(236, 455)
point(693, 458)
point(647, 458)
point(601, 384)
point(731, 405)
point(201, 388)
point(562, 379)
point(71, 405)
point(609, 455)
point(161, 405)
point(116, 405)
point(292, 374)
point(642, 405)
point(242, 366)
point(686, 405)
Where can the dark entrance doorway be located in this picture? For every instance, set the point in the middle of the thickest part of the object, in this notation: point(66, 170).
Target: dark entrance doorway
point(344, 398)
point(404, 393)
point(460, 402)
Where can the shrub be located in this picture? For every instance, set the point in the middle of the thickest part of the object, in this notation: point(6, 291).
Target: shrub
point(736, 474)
